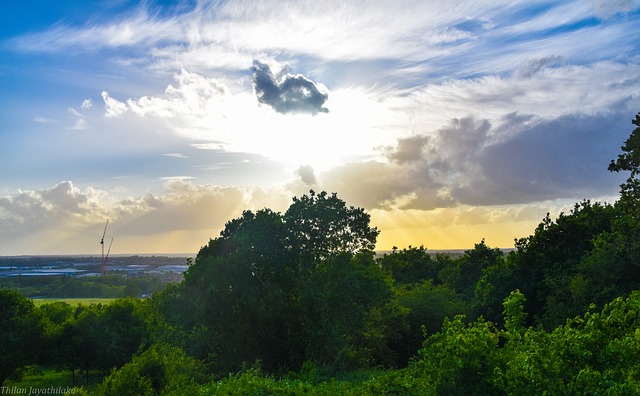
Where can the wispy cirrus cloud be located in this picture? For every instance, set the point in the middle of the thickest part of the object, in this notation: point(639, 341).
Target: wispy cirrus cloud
point(212, 34)
point(139, 27)
point(175, 155)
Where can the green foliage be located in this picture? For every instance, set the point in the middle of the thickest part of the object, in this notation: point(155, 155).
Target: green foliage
point(495, 284)
point(303, 284)
point(132, 290)
point(465, 272)
point(460, 359)
point(252, 382)
point(159, 370)
point(95, 336)
point(412, 265)
point(514, 315)
point(596, 353)
point(320, 225)
point(368, 383)
point(545, 263)
point(21, 335)
point(427, 306)
point(334, 308)
point(629, 161)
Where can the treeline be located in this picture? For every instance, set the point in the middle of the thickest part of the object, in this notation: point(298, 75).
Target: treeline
point(110, 286)
point(298, 303)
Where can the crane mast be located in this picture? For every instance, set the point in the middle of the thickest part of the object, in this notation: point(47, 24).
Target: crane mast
point(104, 262)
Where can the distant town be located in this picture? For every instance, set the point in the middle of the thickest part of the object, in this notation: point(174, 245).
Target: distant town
point(167, 268)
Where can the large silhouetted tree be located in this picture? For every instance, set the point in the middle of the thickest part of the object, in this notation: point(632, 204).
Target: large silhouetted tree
point(319, 225)
point(256, 286)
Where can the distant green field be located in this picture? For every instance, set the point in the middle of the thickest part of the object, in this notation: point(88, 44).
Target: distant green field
point(73, 301)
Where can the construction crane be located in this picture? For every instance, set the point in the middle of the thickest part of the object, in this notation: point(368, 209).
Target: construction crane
point(106, 259)
point(104, 263)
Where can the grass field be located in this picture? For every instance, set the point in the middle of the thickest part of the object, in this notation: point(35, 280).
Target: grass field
point(47, 380)
point(73, 301)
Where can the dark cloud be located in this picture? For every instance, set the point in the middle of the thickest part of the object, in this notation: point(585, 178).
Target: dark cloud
point(288, 93)
point(307, 175)
point(408, 149)
point(519, 159)
point(566, 157)
point(533, 67)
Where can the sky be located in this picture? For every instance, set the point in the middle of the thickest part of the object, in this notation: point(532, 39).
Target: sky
point(448, 122)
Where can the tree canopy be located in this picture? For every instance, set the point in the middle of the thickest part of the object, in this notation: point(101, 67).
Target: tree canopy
point(281, 278)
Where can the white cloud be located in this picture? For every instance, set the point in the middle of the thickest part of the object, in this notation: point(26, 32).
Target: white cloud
point(113, 107)
point(45, 120)
point(34, 209)
point(177, 178)
point(175, 155)
point(477, 162)
point(196, 107)
point(79, 125)
point(194, 95)
point(80, 122)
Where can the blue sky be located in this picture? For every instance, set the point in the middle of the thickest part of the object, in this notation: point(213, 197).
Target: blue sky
point(448, 122)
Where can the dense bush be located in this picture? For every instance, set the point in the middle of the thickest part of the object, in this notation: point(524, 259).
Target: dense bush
point(159, 370)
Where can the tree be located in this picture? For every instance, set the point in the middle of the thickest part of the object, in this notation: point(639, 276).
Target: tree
point(132, 290)
point(57, 318)
point(613, 267)
point(412, 265)
point(465, 272)
point(629, 160)
point(241, 284)
point(21, 334)
point(336, 305)
point(319, 225)
point(592, 354)
point(460, 359)
point(495, 284)
point(545, 262)
point(427, 307)
point(123, 329)
point(262, 276)
point(105, 337)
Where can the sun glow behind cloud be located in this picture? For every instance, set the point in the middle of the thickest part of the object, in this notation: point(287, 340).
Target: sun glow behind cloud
point(348, 132)
point(205, 111)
